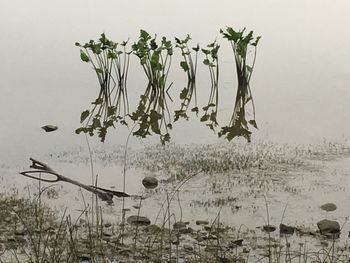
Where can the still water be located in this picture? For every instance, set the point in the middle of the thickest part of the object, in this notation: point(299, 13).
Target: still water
point(300, 82)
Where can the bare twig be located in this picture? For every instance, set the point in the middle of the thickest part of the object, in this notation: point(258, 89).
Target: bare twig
point(40, 167)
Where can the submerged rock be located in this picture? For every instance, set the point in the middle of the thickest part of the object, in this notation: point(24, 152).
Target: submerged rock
point(236, 243)
point(328, 226)
point(152, 229)
point(138, 221)
point(329, 207)
point(49, 128)
point(202, 222)
point(269, 228)
point(150, 182)
point(182, 228)
point(287, 230)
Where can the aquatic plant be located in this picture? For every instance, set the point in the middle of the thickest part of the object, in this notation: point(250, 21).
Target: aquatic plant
point(211, 109)
point(152, 114)
point(241, 43)
point(189, 65)
point(111, 67)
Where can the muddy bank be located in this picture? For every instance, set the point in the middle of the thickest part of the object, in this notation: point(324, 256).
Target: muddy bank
point(232, 187)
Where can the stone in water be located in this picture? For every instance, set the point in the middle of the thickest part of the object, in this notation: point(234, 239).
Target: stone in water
point(269, 228)
point(329, 207)
point(328, 226)
point(138, 221)
point(150, 182)
point(49, 128)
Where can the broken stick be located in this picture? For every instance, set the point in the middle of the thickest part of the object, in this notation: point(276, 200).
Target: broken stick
point(40, 167)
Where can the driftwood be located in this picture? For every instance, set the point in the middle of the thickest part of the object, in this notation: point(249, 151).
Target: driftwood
point(40, 167)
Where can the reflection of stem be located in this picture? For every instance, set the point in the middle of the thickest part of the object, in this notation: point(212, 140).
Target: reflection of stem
point(179, 201)
point(92, 174)
point(137, 225)
point(177, 188)
point(124, 181)
point(268, 225)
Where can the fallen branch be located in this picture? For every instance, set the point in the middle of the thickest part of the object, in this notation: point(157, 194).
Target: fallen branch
point(40, 167)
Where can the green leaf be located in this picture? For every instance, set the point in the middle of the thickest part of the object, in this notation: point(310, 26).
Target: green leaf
point(253, 123)
point(183, 93)
point(184, 66)
point(144, 35)
point(213, 117)
point(111, 111)
point(112, 54)
point(98, 70)
point(256, 41)
point(84, 115)
point(83, 56)
point(196, 49)
point(205, 51)
point(97, 101)
point(96, 123)
point(102, 132)
point(195, 109)
point(153, 44)
point(81, 129)
point(205, 118)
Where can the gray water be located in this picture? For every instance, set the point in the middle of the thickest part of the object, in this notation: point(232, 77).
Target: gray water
point(300, 81)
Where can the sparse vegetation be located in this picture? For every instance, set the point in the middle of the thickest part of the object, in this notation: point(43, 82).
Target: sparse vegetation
point(32, 232)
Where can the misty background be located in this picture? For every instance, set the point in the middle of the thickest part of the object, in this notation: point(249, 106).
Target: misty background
point(300, 82)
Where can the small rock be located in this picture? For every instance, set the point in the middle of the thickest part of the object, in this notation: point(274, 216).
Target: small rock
point(188, 248)
point(85, 258)
point(328, 226)
point(269, 228)
point(107, 224)
point(305, 231)
point(236, 243)
point(287, 230)
point(202, 222)
point(199, 239)
point(107, 233)
point(150, 182)
point(329, 207)
point(138, 220)
point(179, 225)
point(125, 252)
point(115, 240)
point(208, 228)
point(20, 232)
point(186, 231)
point(49, 128)
point(152, 229)
point(246, 250)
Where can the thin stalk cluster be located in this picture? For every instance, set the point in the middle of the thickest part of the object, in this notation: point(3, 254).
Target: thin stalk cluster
point(189, 65)
point(241, 42)
point(111, 67)
point(211, 109)
point(152, 113)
